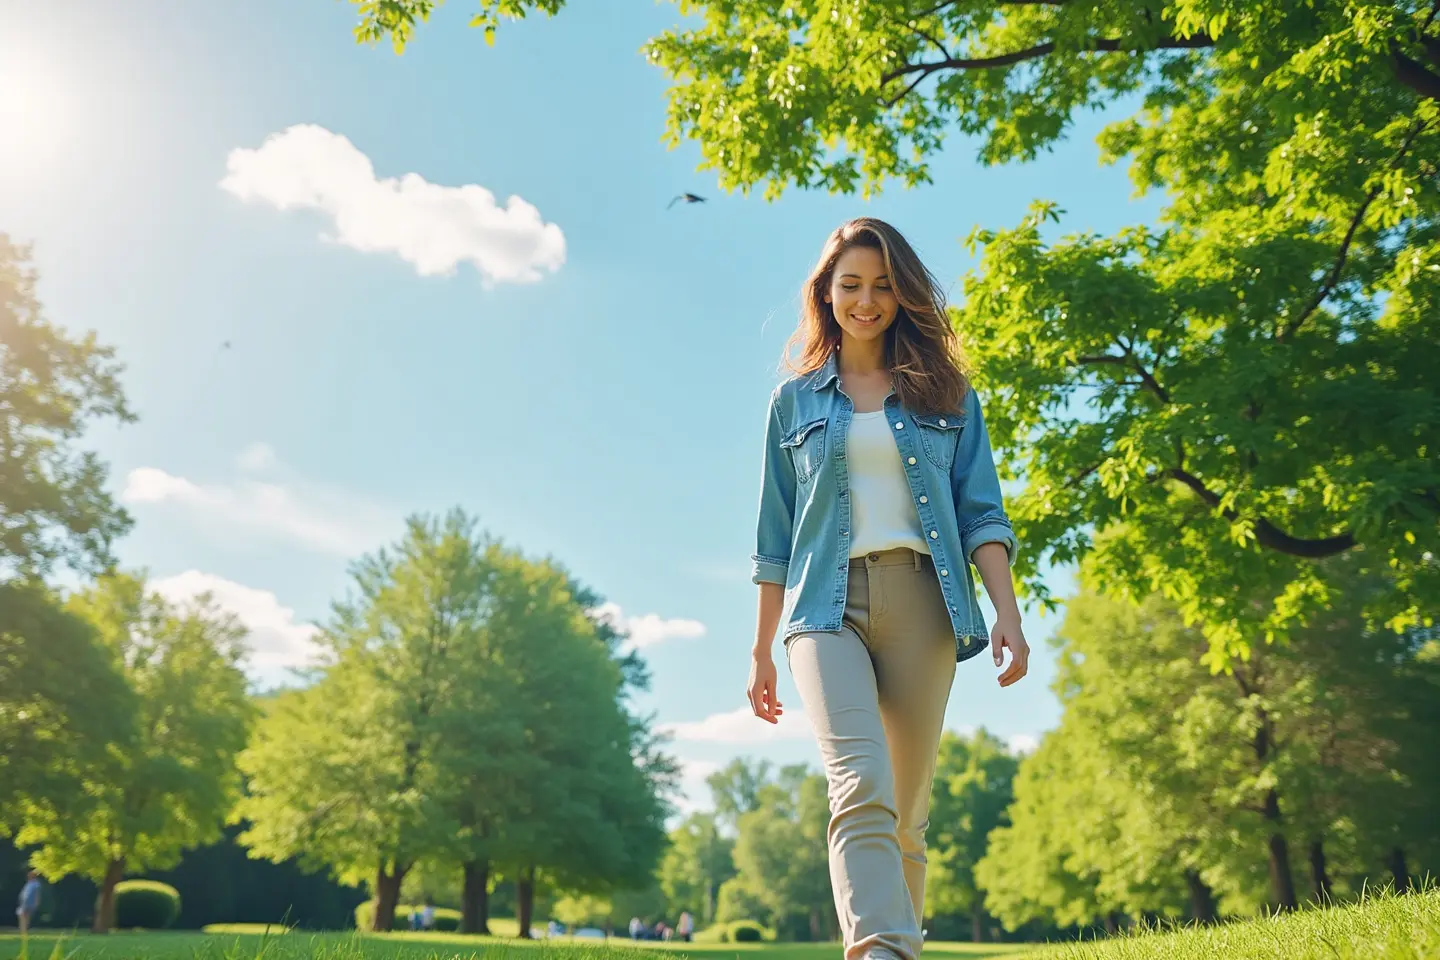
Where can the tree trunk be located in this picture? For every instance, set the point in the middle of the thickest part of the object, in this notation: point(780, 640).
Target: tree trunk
point(104, 920)
point(1202, 898)
point(815, 932)
point(1399, 870)
point(387, 896)
point(1282, 881)
point(1319, 876)
point(977, 921)
point(475, 898)
point(525, 898)
point(1112, 922)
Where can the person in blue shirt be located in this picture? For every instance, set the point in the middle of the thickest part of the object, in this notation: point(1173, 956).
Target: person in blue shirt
point(878, 494)
point(29, 904)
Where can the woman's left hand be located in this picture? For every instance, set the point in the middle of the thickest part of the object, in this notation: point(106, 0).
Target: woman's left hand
point(1007, 633)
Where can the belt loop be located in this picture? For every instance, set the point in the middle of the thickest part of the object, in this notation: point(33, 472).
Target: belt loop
point(918, 567)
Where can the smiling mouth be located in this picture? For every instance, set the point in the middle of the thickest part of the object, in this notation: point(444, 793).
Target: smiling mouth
point(862, 318)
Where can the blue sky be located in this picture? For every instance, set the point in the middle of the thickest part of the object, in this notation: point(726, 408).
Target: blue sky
point(589, 379)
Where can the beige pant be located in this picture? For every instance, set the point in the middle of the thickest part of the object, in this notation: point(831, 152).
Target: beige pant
point(875, 693)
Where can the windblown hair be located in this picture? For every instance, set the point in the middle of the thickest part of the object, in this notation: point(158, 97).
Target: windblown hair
point(921, 347)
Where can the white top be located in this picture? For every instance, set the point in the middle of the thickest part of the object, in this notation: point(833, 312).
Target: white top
point(882, 510)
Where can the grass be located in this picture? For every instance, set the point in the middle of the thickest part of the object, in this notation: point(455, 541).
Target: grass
point(1380, 928)
point(1384, 927)
point(251, 942)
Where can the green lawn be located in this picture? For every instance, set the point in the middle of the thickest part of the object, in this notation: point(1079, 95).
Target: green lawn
point(1385, 928)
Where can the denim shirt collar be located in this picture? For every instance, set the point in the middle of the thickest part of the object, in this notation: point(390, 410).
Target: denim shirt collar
point(828, 373)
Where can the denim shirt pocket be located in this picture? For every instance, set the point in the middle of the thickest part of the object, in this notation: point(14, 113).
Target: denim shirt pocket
point(940, 434)
point(806, 444)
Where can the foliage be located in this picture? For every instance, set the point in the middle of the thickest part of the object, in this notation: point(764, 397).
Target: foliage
point(64, 703)
point(469, 713)
point(1172, 791)
point(781, 858)
point(53, 503)
point(970, 796)
point(168, 787)
point(698, 861)
point(146, 904)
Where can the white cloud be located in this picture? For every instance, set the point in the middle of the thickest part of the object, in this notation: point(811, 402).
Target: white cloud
point(323, 520)
point(648, 629)
point(1023, 742)
point(277, 641)
point(435, 228)
point(740, 726)
point(256, 457)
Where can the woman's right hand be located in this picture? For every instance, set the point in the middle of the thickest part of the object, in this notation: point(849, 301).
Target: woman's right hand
point(763, 680)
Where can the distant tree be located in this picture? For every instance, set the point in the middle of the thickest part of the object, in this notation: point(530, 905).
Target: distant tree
point(471, 715)
point(971, 795)
point(696, 864)
point(735, 788)
point(343, 775)
point(168, 786)
point(781, 856)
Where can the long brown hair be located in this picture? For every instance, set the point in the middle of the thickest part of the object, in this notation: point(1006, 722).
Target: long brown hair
point(921, 348)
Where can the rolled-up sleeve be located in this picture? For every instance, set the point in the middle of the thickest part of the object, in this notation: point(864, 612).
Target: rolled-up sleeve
point(771, 560)
point(977, 488)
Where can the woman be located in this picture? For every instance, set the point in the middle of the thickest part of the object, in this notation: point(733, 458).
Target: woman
point(878, 492)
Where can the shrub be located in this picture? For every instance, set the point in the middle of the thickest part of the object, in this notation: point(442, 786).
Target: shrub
point(146, 903)
point(746, 931)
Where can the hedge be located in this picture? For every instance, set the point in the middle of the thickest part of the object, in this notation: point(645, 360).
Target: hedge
point(446, 920)
point(737, 931)
point(147, 904)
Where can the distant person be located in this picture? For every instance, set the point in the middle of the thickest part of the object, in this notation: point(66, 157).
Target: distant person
point(414, 918)
point(636, 928)
point(878, 493)
point(427, 916)
point(685, 926)
point(29, 903)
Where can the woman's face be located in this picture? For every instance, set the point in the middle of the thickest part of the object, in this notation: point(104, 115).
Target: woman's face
point(861, 295)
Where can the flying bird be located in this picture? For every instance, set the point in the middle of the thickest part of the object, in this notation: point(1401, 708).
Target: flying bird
point(687, 197)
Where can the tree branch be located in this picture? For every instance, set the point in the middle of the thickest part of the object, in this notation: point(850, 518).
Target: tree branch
point(928, 36)
point(1128, 360)
point(1266, 533)
point(1080, 477)
point(1332, 279)
point(1096, 45)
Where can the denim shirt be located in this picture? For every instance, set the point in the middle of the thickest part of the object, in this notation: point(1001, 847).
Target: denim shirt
point(803, 534)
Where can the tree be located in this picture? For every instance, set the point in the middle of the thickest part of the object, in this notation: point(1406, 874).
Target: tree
point(469, 715)
point(697, 862)
point(1166, 782)
point(53, 502)
point(781, 856)
point(736, 787)
point(971, 793)
point(1246, 385)
point(64, 703)
point(168, 787)
point(343, 775)
point(590, 816)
